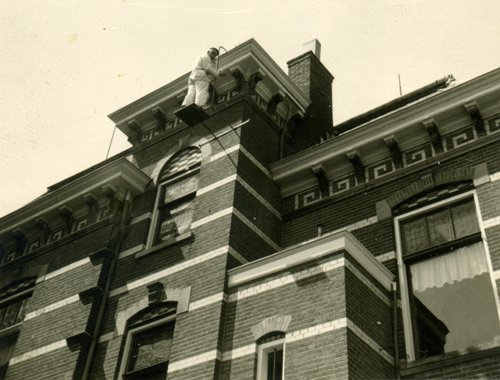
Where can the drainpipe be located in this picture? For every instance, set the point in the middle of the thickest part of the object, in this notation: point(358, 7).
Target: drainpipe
point(117, 234)
point(395, 328)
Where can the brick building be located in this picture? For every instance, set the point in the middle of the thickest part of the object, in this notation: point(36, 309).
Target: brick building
point(264, 243)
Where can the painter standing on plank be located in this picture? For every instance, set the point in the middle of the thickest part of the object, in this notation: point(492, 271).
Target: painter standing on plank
point(204, 72)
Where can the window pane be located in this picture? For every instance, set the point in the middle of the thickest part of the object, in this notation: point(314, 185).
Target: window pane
point(415, 236)
point(22, 310)
point(464, 219)
point(175, 222)
point(275, 364)
point(151, 347)
point(2, 313)
point(179, 189)
point(454, 302)
point(10, 316)
point(440, 228)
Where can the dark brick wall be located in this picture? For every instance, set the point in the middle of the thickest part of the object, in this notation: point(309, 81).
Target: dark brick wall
point(364, 363)
point(309, 74)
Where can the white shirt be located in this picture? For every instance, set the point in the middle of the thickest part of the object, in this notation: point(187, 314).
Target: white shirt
point(204, 69)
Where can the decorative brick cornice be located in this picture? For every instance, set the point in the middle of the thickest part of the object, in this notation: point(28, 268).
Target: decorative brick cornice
point(359, 169)
point(432, 129)
point(406, 121)
point(475, 115)
point(120, 173)
point(393, 146)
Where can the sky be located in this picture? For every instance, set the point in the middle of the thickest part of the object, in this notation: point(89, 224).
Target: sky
point(67, 64)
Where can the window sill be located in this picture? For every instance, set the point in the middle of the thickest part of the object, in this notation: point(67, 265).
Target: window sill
point(155, 369)
point(449, 359)
point(177, 240)
point(14, 329)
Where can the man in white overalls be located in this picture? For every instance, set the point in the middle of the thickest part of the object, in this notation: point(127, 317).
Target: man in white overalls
point(203, 73)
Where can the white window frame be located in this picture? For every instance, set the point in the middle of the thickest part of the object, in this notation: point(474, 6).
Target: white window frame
point(153, 229)
point(403, 279)
point(262, 351)
point(130, 335)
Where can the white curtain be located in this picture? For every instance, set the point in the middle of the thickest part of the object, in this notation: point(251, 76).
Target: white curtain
point(460, 264)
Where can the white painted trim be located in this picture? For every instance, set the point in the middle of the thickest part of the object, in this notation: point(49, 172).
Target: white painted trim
point(316, 330)
point(52, 307)
point(496, 275)
point(369, 262)
point(106, 337)
point(142, 217)
point(386, 256)
point(215, 185)
point(237, 255)
point(286, 279)
point(405, 297)
point(308, 251)
point(212, 217)
point(256, 229)
point(491, 222)
point(131, 251)
point(193, 360)
point(37, 352)
point(219, 297)
point(256, 162)
point(361, 277)
point(259, 197)
point(355, 226)
point(227, 130)
point(292, 278)
point(171, 270)
point(263, 351)
point(312, 331)
point(229, 150)
point(369, 341)
point(249, 349)
point(487, 252)
point(495, 177)
point(64, 269)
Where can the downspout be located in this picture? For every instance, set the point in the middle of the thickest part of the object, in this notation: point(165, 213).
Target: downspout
point(117, 234)
point(395, 328)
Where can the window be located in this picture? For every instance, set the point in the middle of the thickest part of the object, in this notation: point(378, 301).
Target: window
point(149, 342)
point(270, 357)
point(177, 186)
point(448, 299)
point(13, 303)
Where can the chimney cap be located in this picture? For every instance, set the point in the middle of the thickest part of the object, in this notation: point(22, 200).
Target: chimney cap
point(314, 46)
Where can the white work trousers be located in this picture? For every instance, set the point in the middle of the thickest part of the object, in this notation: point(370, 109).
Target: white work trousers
point(197, 93)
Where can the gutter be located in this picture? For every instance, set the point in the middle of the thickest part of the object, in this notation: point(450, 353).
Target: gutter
point(392, 105)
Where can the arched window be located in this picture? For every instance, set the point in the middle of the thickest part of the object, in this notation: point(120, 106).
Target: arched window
point(13, 303)
point(148, 342)
point(177, 186)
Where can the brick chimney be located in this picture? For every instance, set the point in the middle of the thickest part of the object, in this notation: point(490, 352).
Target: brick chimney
point(315, 81)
